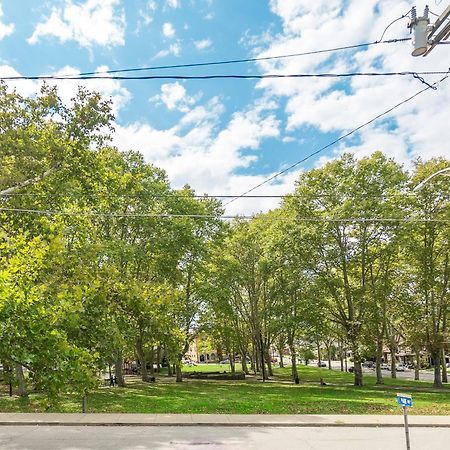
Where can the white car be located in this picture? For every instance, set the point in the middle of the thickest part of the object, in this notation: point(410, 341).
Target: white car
point(400, 368)
point(188, 362)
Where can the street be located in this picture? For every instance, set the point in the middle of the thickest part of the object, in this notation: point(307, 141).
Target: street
point(217, 437)
point(408, 374)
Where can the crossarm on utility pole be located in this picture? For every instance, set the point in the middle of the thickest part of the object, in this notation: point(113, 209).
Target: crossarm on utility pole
point(442, 34)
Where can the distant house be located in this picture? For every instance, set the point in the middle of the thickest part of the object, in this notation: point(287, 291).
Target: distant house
point(201, 352)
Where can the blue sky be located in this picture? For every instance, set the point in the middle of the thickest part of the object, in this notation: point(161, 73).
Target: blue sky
point(225, 136)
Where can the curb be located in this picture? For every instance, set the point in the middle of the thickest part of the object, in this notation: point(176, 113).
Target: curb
point(227, 425)
point(218, 420)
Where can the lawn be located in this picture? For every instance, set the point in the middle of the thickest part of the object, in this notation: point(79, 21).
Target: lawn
point(252, 396)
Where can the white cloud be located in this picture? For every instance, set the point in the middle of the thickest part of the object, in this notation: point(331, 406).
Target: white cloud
point(173, 3)
point(203, 44)
point(417, 128)
point(26, 88)
point(198, 151)
point(174, 49)
point(94, 22)
point(168, 30)
point(146, 14)
point(5, 29)
point(108, 88)
point(175, 97)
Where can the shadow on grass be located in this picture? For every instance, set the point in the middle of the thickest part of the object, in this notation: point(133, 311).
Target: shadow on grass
point(249, 396)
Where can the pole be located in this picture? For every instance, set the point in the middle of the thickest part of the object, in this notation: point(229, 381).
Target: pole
point(84, 404)
point(405, 416)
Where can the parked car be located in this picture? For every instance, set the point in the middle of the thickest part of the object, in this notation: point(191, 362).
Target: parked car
point(400, 368)
point(188, 362)
point(225, 361)
point(385, 366)
point(322, 364)
point(369, 364)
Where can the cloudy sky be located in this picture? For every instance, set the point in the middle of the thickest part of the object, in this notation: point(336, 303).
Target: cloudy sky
point(225, 136)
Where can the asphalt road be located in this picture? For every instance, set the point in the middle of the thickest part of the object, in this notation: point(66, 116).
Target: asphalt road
point(408, 374)
point(216, 437)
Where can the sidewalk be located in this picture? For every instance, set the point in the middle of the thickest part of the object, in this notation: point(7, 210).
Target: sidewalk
point(253, 420)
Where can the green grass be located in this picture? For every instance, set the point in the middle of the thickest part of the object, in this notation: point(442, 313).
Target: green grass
point(278, 396)
point(211, 368)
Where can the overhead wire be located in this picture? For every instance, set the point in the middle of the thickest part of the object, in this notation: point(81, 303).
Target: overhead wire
point(242, 60)
point(339, 139)
point(222, 217)
point(196, 196)
point(436, 15)
point(403, 16)
point(225, 76)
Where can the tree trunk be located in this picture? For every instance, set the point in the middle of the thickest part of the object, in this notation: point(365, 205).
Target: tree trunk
point(158, 359)
point(21, 388)
point(280, 351)
point(444, 368)
point(319, 359)
point(357, 367)
point(269, 362)
point(232, 363)
point(378, 361)
point(169, 368)
point(252, 360)
point(244, 350)
point(142, 359)
point(8, 371)
point(244, 361)
point(393, 361)
point(152, 360)
point(346, 358)
point(255, 358)
point(261, 357)
point(118, 369)
point(329, 356)
point(293, 362)
point(417, 365)
point(436, 355)
point(177, 369)
point(341, 355)
point(244, 364)
point(179, 378)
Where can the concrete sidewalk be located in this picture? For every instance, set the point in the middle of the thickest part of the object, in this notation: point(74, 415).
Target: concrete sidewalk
point(253, 420)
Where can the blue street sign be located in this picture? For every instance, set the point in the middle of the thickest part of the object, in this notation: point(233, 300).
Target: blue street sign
point(404, 400)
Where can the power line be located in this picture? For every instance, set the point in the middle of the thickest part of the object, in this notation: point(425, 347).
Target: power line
point(220, 76)
point(403, 16)
point(196, 196)
point(243, 60)
point(222, 217)
point(340, 138)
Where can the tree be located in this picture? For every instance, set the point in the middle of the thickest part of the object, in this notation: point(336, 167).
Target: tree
point(341, 252)
point(428, 250)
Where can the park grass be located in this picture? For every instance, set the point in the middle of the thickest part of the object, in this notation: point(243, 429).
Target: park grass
point(250, 396)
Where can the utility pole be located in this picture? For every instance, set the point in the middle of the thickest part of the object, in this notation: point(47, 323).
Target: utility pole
point(426, 36)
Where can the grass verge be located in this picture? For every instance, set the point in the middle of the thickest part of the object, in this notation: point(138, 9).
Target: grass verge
point(251, 396)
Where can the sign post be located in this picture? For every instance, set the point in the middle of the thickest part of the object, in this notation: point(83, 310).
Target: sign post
point(405, 401)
